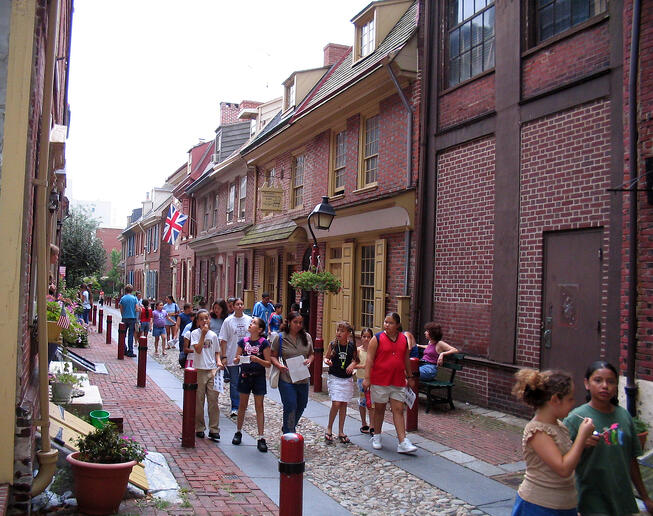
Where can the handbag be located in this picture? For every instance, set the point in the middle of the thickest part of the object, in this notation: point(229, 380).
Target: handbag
point(274, 370)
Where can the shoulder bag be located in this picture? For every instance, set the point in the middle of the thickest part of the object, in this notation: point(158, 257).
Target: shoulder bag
point(274, 370)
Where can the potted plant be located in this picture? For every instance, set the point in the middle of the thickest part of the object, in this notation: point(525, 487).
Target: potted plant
point(62, 384)
point(316, 280)
point(101, 469)
point(641, 429)
point(53, 312)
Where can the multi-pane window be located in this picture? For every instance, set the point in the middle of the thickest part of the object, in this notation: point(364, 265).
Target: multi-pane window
point(366, 38)
point(297, 181)
point(367, 286)
point(270, 176)
point(371, 150)
point(242, 198)
point(339, 163)
point(214, 221)
point(555, 16)
point(471, 38)
point(205, 217)
point(230, 202)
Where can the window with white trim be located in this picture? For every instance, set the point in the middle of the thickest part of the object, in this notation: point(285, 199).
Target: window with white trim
point(370, 159)
point(242, 198)
point(230, 202)
point(297, 193)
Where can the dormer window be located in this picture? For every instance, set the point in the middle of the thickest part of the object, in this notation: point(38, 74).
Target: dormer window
point(289, 94)
point(366, 41)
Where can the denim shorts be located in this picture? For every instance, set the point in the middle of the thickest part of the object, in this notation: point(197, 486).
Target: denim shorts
point(158, 330)
point(252, 384)
point(145, 327)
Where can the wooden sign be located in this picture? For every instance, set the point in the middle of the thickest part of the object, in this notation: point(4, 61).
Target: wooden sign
point(271, 199)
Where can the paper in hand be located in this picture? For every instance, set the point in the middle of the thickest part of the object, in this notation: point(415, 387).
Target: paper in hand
point(218, 383)
point(296, 369)
point(410, 397)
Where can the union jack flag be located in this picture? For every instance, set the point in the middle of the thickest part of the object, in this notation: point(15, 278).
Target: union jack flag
point(174, 222)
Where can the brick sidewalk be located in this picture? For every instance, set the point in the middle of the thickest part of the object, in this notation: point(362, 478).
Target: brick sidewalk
point(216, 485)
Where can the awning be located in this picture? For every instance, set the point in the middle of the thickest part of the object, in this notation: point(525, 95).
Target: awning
point(274, 232)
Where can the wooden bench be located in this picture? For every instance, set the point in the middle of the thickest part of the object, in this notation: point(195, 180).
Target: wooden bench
point(443, 380)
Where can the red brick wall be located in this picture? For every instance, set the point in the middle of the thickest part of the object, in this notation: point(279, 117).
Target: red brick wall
point(109, 238)
point(333, 52)
point(468, 101)
point(579, 55)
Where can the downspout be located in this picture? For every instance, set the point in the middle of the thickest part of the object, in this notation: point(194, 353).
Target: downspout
point(631, 386)
point(47, 457)
point(409, 166)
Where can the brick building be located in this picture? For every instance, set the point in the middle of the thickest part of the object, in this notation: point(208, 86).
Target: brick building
point(524, 139)
point(110, 238)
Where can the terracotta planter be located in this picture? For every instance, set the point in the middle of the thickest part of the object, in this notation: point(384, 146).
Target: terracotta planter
point(642, 439)
point(53, 331)
point(99, 488)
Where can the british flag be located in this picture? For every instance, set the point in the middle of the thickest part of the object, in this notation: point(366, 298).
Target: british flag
point(174, 222)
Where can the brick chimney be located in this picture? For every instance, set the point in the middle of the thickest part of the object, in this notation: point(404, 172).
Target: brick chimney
point(333, 52)
point(229, 113)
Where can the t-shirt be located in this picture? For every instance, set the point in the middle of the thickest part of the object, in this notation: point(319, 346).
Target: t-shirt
point(362, 357)
point(263, 311)
point(160, 318)
point(275, 322)
point(128, 303)
point(216, 324)
point(233, 329)
point(389, 367)
point(292, 347)
point(186, 330)
point(603, 473)
point(184, 319)
point(341, 356)
point(171, 308)
point(85, 302)
point(205, 359)
point(146, 313)
point(541, 485)
point(255, 348)
point(430, 354)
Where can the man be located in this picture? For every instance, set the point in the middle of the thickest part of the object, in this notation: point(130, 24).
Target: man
point(230, 305)
point(234, 328)
point(127, 305)
point(263, 309)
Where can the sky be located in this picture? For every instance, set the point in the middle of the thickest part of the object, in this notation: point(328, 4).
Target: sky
point(147, 77)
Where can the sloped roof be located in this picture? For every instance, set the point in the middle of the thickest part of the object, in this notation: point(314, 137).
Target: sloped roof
point(268, 232)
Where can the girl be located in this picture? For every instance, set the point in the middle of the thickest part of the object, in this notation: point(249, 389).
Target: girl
point(293, 341)
point(171, 321)
point(364, 403)
point(252, 378)
point(342, 359)
point(146, 318)
point(159, 318)
point(218, 315)
point(434, 352)
point(606, 467)
point(548, 486)
point(386, 370)
point(206, 349)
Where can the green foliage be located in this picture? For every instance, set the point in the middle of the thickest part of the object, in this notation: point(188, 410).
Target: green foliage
point(106, 446)
point(111, 283)
point(319, 281)
point(641, 426)
point(76, 336)
point(53, 311)
point(66, 376)
point(81, 251)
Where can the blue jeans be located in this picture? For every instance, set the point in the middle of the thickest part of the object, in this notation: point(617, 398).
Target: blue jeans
point(234, 372)
point(428, 371)
point(131, 323)
point(294, 397)
point(85, 314)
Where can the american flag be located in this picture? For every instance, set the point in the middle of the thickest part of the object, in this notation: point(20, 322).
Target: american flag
point(174, 222)
point(63, 321)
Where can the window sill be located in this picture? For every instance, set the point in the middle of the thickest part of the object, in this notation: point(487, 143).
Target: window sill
point(337, 196)
point(365, 189)
point(467, 81)
point(296, 209)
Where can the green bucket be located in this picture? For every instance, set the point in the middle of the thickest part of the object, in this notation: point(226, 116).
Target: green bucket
point(99, 418)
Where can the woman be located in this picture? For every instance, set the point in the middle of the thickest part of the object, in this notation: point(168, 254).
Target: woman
point(434, 351)
point(386, 369)
point(219, 313)
point(293, 341)
point(172, 309)
point(86, 302)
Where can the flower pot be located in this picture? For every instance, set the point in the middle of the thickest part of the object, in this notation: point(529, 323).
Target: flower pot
point(642, 439)
point(53, 331)
point(99, 488)
point(61, 392)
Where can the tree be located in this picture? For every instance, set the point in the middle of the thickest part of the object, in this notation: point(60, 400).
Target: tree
point(81, 251)
point(112, 283)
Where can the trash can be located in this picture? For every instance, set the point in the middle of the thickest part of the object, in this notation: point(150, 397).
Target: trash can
point(99, 418)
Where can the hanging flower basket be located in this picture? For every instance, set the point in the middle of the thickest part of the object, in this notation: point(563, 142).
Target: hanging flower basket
point(316, 281)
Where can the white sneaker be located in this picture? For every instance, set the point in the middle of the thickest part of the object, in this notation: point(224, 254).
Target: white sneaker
point(406, 446)
point(376, 441)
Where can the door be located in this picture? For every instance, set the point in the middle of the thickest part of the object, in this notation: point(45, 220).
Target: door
point(571, 310)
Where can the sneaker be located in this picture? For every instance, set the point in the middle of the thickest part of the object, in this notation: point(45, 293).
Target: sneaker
point(262, 445)
point(214, 435)
point(406, 446)
point(376, 442)
point(238, 437)
point(234, 413)
point(200, 435)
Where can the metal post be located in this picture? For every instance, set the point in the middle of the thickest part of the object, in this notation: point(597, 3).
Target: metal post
point(108, 339)
point(100, 319)
point(312, 316)
point(411, 413)
point(142, 362)
point(291, 475)
point(116, 301)
point(122, 330)
point(318, 349)
point(94, 315)
point(188, 418)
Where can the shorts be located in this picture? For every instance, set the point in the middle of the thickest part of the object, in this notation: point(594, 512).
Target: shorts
point(382, 393)
point(340, 389)
point(362, 402)
point(252, 384)
point(524, 508)
point(158, 330)
point(145, 327)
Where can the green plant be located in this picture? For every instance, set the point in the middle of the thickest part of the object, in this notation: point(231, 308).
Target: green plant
point(641, 426)
point(65, 376)
point(106, 446)
point(315, 280)
point(53, 311)
point(76, 336)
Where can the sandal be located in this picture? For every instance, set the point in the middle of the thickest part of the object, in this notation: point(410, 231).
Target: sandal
point(328, 438)
point(371, 431)
point(365, 429)
point(344, 439)
point(164, 353)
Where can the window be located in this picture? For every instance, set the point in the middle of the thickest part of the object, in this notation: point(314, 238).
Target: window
point(156, 237)
point(205, 217)
point(214, 221)
point(339, 162)
point(270, 176)
point(240, 276)
point(297, 194)
point(270, 276)
point(555, 16)
point(366, 38)
point(230, 202)
point(366, 286)
point(370, 150)
point(152, 284)
point(471, 38)
point(242, 198)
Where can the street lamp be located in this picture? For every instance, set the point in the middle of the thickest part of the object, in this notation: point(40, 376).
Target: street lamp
point(322, 216)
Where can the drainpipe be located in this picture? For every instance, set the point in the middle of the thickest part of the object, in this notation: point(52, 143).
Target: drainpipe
point(47, 457)
point(631, 386)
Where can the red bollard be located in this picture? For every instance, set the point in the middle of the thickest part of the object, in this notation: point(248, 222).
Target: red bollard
point(291, 478)
point(122, 330)
point(188, 418)
point(99, 324)
point(108, 340)
point(116, 303)
point(318, 350)
point(94, 315)
point(411, 413)
point(142, 362)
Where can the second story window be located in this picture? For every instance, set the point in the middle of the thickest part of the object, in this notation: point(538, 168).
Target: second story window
point(366, 38)
point(339, 162)
point(297, 194)
point(555, 16)
point(205, 216)
point(156, 237)
point(370, 150)
point(270, 175)
point(231, 202)
point(242, 198)
point(471, 39)
point(214, 221)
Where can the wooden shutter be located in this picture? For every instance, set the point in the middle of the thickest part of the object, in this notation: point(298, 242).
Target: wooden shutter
point(379, 283)
point(348, 269)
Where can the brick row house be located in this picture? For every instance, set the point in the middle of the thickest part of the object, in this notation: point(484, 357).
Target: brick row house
point(521, 209)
